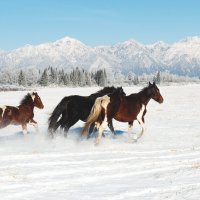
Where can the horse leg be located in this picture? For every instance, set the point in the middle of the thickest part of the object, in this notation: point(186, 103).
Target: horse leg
point(52, 130)
point(67, 124)
point(35, 124)
point(91, 129)
point(141, 122)
point(4, 123)
point(24, 129)
point(101, 129)
point(110, 125)
point(130, 128)
point(100, 119)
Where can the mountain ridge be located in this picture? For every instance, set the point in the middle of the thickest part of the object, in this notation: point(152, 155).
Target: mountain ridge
point(181, 57)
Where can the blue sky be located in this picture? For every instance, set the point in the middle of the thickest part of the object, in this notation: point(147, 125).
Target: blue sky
point(97, 22)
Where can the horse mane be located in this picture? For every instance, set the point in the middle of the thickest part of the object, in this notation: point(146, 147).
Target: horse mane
point(146, 91)
point(26, 100)
point(102, 92)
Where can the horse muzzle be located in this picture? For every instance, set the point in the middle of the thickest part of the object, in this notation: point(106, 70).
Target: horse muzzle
point(161, 100)
point(41, 107)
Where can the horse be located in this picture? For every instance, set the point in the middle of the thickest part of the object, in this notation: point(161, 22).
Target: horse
point(73, 108)
point(22, 114)
point(104, 109)
point(132, 107)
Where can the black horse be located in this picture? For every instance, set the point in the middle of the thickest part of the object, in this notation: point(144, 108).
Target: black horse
point(74, 108)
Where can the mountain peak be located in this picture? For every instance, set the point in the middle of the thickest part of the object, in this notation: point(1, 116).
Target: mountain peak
point(68, 40)
point(158, 44)
point(132, 42)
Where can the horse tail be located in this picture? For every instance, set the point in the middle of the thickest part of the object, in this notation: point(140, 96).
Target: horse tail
point(53, 119)
point(95, 112)
point(1, 114)
point(2, 111)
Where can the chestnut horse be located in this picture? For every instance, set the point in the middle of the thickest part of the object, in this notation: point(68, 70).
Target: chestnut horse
point(22, 114)
point(132, 107)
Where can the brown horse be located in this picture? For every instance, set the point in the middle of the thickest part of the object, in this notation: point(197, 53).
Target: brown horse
point(22, 114)
point(132, 107)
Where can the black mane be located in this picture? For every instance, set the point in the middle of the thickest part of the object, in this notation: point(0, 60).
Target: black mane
point(148, 89)
point(26, 100)
point(105, 90)
point(144, 90)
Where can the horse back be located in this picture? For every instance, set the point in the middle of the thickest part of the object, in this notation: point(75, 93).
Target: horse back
point(18, 115)
point(78, 106)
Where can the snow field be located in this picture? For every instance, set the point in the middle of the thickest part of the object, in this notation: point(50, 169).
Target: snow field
point(163, 164)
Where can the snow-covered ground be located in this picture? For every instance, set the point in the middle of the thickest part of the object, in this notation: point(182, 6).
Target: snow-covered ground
point(163, 164)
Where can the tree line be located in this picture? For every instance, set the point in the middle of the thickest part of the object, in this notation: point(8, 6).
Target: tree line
point(79, 78)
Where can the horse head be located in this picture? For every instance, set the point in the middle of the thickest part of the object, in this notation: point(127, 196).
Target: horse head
point(155, 93)
point(37, 101)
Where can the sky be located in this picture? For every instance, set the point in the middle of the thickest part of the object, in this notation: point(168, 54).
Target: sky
point(97, 22)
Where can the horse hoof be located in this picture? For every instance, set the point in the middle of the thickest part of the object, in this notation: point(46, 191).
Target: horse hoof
point(96, 143)
point(65, 135)
point(134, 140)
point(50, 136)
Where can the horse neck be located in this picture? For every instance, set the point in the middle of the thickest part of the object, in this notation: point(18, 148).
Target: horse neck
point(29, 104)
point(144, 98)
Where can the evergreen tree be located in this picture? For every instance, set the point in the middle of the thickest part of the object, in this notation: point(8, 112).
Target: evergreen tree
point(21, 78)
point(130, 78)
point(157, 78)
point(82, 81)
point(105, 78)
point(66, 79)
point(136, 80)
point(53, 75)
point(61, 76)
point(118, 78)
point(100, 77)
point(44, 78)
point(75, 77)
point(88, 79)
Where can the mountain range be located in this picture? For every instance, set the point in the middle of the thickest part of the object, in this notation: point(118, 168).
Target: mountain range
point(182, 57)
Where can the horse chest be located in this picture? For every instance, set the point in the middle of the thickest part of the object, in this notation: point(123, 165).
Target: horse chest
point(141, 112)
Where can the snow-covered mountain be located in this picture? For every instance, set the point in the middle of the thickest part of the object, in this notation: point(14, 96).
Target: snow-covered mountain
point(182, 57)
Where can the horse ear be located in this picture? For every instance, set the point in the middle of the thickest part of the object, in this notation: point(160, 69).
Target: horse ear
point(150, 83)
point(154, 83)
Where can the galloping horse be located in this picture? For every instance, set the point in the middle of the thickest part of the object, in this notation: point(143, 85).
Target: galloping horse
point(103, 110)
point(132, 107)
point(22, 114)
point(74, 108)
